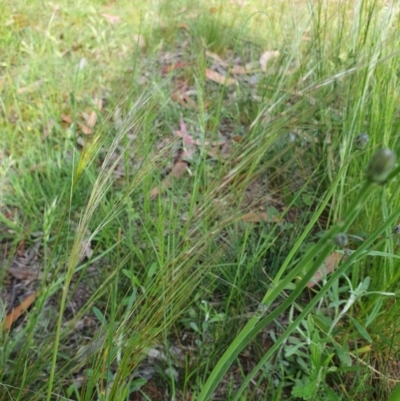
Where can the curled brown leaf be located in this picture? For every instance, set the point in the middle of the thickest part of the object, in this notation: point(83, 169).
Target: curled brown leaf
point(330, 264)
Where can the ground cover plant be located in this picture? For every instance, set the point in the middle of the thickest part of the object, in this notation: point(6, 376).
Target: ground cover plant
point(199, 200)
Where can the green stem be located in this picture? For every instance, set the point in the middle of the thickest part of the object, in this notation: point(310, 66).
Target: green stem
point(73, 260)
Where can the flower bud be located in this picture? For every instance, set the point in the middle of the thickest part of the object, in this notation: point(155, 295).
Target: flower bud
point(361, 141)
point(380, 166)
point(396, 230)
point(341, 240)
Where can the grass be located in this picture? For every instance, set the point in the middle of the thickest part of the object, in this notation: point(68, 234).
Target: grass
point(174, 269)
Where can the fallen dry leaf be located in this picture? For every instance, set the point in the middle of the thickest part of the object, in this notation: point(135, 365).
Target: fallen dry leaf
point(226, 150)
point(189, 147)
point(177, 171)
point(197, 142)
point(19, 310)
point(216, 58)
point(330, 264)
point(66, 118)
point(266, 57)
point(218, 78)
point(24, 274)
point(184, 100)
point(184, 26)
point(86, 249)
point(254, 217)
point(154, 192)
point(214, 153)
point(31, 88)
point(112, 19)
point(176, 66)
point(91, 119)
point(85, 129)
point(241, 71)
point(21, 248)
point(85, 115)
point(98, 101)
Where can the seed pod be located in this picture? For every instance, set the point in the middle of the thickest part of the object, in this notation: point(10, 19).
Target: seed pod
point(380, 166)
point(347, 251)
point(361, 141)
point(341, 240)
point(396, 230)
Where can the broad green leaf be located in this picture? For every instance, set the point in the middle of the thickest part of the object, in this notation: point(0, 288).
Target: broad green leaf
point(363, 332)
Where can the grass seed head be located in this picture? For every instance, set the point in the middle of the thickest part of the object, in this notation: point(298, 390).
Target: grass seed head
point(380, 166)
point(361, 141)
point(341, 240)
point(396, 230)
point(347, 251)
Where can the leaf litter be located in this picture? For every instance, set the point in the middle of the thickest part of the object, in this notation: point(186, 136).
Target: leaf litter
point(91, 119)
point(112, 19)
point(187, 153)
point(330, 265)
point(219, 78)
point(19, 310)
point(267, 57)
point(24, 279)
